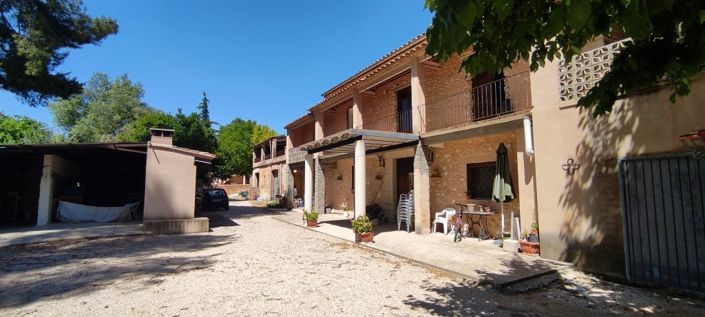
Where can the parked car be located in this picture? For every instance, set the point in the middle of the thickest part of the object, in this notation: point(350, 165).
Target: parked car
point(214, 198)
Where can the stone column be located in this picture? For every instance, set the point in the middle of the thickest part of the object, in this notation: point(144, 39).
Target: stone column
point(308, 182)
point(418, 99)
point(422, 190)
point(357, 110)
point(360, 181)
point(320, 184)
point(289, 182)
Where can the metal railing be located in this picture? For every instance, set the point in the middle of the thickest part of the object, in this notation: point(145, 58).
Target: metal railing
point(491, 100)
point(399, 121)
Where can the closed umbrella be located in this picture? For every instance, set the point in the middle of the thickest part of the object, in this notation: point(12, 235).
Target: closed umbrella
point(502, 189)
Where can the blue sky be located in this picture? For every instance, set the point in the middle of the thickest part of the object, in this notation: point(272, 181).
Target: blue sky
point(262, 60)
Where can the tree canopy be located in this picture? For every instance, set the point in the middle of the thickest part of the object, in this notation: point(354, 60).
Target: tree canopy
point(101, 111)
point(668, 39)
point(235, 142)
point(35, 37)
point(22, 130)
point(138, 130)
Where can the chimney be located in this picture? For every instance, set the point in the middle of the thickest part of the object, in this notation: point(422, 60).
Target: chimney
point(161, 136)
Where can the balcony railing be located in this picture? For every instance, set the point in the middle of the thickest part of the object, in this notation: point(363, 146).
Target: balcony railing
point(399, 121)
point(494, 99)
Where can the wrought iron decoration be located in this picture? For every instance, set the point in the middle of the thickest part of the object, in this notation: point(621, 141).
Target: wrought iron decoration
point(570, 166)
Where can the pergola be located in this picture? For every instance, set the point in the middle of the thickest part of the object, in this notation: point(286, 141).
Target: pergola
point(359, 143)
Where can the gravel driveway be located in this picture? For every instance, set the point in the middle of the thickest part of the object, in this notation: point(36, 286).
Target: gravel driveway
point(254, 265)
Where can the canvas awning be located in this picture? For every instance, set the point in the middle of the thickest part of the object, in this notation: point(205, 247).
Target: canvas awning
point(375, 141)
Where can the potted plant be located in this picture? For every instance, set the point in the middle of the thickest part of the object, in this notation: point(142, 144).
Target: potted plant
point(311, 218)
point(534, 233)
point(529, 242)
point(362, 227)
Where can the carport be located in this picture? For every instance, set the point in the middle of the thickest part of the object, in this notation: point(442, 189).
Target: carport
point(157, 175)
point(39, 175)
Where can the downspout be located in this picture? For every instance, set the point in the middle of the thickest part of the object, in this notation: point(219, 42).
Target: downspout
point(528, 136)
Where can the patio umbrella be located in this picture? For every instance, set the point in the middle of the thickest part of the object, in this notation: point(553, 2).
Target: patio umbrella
point(502, 186)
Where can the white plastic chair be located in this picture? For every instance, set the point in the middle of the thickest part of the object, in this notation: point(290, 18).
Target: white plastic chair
point(443, 218)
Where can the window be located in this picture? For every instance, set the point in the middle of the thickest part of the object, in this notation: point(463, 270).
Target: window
point(479, 180)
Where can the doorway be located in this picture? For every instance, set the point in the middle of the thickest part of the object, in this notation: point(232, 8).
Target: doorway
point(404, 110)
point(404, 177)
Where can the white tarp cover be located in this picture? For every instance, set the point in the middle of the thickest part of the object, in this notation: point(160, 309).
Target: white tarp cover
point(72, 212)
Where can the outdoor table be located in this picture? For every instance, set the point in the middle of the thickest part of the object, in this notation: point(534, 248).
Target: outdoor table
point(480, 221)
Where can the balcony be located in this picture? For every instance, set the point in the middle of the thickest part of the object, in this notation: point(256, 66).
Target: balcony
point(495, 99)
point(399, 121)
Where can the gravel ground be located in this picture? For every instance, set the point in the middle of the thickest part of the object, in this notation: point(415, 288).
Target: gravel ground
point(252, 265)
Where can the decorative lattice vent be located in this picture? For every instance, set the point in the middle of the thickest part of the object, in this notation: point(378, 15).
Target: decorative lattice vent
point(580, 75)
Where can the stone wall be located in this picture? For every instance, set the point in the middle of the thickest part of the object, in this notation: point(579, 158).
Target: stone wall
point(380, 181)
point(264, 187)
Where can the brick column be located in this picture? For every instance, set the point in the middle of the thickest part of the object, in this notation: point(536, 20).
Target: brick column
point(320, 184)
point(422, 190)
point(357, 110)
point(318, 125)
point(418, 99)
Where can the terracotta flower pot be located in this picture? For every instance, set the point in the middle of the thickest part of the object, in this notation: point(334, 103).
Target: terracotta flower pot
point(529, 247)
point(311, 223)
point(365, 237)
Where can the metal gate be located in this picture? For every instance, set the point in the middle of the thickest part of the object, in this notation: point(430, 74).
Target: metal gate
point(663, 204)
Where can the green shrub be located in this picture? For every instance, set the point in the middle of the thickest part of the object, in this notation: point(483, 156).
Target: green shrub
point(273, 204)
point(311, 216)
point(362, 224)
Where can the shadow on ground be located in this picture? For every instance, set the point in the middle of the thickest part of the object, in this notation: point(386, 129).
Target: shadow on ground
point(68, 268)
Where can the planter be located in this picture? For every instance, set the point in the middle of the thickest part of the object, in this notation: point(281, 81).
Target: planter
point(311, 223)
point(364, 237)
point(529, 247)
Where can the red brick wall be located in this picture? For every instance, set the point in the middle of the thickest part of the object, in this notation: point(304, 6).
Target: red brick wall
point(302, 134)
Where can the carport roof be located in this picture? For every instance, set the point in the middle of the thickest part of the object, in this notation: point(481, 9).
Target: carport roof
point(60, 147)
point(375, 141)
point(73, 147)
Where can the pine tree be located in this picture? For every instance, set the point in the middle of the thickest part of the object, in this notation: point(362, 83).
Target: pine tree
point(203, 108)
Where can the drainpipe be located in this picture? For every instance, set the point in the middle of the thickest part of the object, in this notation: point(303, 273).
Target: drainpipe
point(528, 136)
